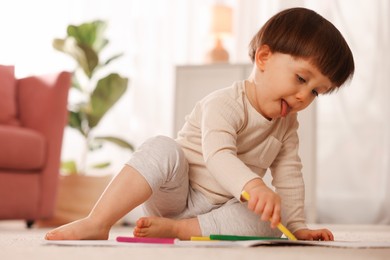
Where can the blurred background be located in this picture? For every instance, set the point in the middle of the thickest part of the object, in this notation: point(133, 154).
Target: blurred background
point(352, 127)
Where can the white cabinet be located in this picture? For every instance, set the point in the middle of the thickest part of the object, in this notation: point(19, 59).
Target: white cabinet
point(196, 81)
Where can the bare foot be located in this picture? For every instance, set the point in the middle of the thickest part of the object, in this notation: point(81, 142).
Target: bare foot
point(165, 227)
point(83, 229)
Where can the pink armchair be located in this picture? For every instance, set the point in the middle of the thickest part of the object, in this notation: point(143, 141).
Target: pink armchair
point(33, 116)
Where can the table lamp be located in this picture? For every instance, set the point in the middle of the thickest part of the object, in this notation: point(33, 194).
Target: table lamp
point(221, 26)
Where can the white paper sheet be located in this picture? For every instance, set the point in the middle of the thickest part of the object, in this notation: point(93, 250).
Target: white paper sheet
point(251, 243)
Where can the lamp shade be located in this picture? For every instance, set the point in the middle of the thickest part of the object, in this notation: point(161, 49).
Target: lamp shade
point(222, 19)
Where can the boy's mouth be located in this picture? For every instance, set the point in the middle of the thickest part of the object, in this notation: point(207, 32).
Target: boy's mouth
point(285, 108)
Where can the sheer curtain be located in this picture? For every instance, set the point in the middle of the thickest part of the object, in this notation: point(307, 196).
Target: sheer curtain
point(353, 180)
point(353, 126)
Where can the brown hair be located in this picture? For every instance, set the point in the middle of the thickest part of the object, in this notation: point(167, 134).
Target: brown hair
point(303, 33)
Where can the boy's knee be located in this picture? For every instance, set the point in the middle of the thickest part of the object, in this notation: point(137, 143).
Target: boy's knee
point(164, 140)
point(169, 147)
point(165, 143)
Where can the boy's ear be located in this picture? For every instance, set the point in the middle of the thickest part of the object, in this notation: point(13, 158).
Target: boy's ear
point(263, 53)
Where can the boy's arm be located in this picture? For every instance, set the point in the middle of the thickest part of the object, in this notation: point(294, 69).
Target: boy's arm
point(288, 180)
point(221, 120)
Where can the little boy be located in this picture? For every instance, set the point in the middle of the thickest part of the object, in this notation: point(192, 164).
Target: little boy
point(192, 186)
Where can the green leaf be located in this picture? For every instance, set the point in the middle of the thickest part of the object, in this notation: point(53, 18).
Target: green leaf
point(75, 120)
point(69, 167)
point(115, 140)
point(90, 34)
point(117, 56)
point(101, 165)
point(70, 47)
point(92, 59)
point(84, 55)
point(107, 92)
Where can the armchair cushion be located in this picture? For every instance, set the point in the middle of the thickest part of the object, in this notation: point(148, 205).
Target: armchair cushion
point(22, 149)
point(8, 96)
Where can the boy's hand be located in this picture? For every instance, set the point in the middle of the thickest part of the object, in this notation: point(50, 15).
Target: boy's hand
point(263, 201)
point(316, 234)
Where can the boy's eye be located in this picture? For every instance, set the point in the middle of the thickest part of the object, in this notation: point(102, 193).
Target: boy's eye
point(315, 93)
point(300, 79)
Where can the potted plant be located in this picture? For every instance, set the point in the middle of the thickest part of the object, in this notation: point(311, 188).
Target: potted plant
point(84, 43)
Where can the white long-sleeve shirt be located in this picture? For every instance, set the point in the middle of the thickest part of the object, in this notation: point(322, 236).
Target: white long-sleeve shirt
point(228, 143)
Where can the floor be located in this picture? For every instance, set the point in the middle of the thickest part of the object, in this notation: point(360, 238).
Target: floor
point(17, 242)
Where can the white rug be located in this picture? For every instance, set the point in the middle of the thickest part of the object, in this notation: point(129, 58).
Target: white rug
point(17, 242)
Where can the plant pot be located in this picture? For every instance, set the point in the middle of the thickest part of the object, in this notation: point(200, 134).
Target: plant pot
point(77, 195)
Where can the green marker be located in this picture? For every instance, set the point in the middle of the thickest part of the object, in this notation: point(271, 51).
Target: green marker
point(241, 238)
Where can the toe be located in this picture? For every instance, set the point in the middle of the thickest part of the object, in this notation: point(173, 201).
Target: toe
point(143, 223)
point(52, 236)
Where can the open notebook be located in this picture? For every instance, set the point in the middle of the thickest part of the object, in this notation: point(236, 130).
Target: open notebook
point(249, 243)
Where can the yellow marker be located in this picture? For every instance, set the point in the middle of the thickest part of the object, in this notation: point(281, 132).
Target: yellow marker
point(200, 239)
point(280, 226)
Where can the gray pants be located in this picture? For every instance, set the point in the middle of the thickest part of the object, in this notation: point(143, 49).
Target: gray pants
point(161, 161)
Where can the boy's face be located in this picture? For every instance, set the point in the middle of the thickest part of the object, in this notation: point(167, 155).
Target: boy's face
point(285, 84)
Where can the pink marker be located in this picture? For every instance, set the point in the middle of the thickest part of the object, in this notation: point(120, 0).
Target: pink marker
point(147, 240)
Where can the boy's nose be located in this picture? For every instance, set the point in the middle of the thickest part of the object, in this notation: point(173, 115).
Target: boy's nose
point(305, 95)
point(304, 99)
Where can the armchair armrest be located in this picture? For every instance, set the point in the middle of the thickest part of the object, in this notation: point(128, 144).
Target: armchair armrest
point(41, 101)
point(42, 106)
